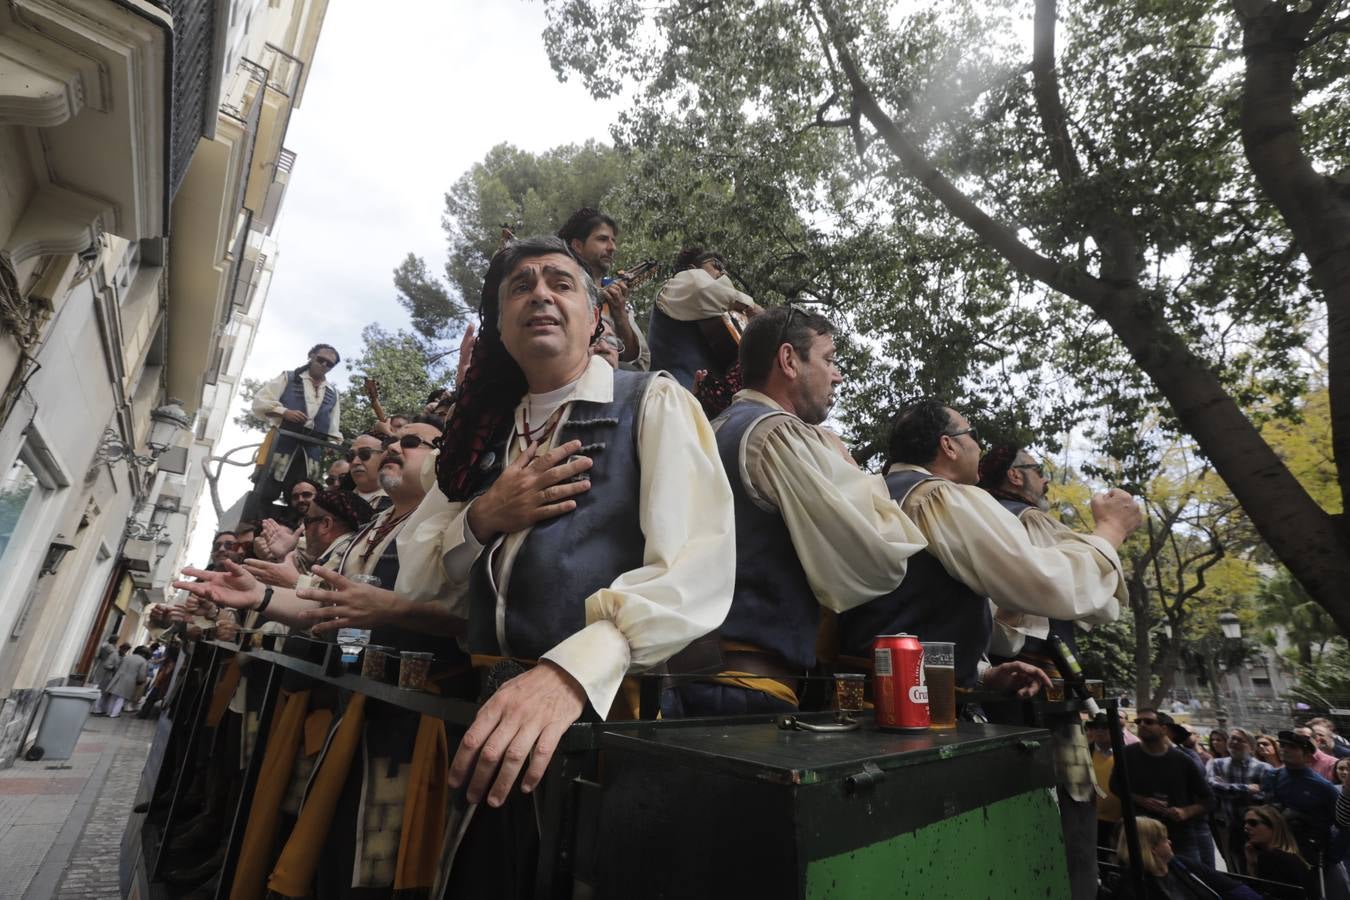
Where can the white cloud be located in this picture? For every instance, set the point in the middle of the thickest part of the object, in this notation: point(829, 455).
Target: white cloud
point(398, 105)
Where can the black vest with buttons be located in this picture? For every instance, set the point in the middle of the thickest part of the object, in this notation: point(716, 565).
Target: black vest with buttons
point(929, 604)
point(678, 348)
point(773, 606)
point(566, 559)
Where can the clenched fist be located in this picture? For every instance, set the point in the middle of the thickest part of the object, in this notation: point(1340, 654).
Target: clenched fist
point(1116, 514)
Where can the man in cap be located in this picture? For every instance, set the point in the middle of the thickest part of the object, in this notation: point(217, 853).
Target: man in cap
point(1309, 804)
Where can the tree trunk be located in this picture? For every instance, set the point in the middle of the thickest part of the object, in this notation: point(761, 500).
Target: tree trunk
point(1316, 208)
point(1305, 538)
point(1143, 651)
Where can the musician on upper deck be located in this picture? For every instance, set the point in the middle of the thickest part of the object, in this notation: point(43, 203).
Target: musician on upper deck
point(812, 529)
point(977, 552)
point(593, 238)
point(688, 331)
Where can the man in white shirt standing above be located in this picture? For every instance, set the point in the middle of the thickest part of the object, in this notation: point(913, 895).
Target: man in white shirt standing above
point(299, 400)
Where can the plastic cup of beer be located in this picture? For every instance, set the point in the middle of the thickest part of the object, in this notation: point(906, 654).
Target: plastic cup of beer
point(848, 691)
point(939, 674)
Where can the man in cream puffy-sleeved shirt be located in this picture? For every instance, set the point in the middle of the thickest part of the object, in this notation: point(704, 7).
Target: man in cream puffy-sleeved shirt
point(812, 529)
point(586, 523)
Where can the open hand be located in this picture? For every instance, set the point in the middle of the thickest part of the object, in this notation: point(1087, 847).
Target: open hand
point(531, 489)
point(234, 587)
point(350, 604)
point(280, 540)
point(1022, 679)
point(521, 723)
point(277, 574)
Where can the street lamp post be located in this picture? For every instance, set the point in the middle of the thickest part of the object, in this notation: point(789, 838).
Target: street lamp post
point(1231, 628)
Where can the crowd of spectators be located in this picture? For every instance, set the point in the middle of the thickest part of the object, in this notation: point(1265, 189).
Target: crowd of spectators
point(1272, 807)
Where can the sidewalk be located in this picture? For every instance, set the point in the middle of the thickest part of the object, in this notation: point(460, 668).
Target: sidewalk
point(61, 821)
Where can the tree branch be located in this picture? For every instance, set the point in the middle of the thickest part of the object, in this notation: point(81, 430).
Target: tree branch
point(1045, 88)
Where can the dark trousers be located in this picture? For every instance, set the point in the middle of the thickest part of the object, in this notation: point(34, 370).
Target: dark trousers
point(1078, 819)
point(267, 488)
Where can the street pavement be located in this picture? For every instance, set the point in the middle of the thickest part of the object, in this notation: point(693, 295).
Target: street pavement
point(61, 821)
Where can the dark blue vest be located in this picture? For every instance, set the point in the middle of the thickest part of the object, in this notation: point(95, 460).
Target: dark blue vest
point(773, 606)
point(293, 397)
point(566, 559)
point(678, 348)
point(929, 603)
point(1037, 647)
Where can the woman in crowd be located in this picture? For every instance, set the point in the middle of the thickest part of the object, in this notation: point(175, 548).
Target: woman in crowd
point(1272, 852)
point(1268, 751)
point(1168, 877)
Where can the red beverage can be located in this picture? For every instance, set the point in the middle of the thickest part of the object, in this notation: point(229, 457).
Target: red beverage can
point(898, 690)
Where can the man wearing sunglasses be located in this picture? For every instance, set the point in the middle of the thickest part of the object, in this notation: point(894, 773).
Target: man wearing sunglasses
point(298, 400)
point(1167, 785)
point(1018, 483)
point(317, 860)
point(364, 459)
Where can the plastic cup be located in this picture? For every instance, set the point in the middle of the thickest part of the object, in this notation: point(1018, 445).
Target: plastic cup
point(939, 673)
point(414, 670)
point(848, 691)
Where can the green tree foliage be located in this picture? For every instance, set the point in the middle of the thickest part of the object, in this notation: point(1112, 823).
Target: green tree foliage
point(436, 315)
point(1282, 603)
point(246, 420)
point(1109, 213)
point(404, 366)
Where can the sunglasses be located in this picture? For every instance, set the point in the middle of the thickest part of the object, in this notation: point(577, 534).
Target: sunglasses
point(225, 545)
point(310, 520)
point(972, 431)
point(1146, 721)
point(332, 481)
point(412, 442)
point(787, 323)
point(364, 454)
point(325, 362)
point(1252, 823)
point(1038, 468)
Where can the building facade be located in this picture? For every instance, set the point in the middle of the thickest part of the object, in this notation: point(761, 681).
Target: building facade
point(142, 169)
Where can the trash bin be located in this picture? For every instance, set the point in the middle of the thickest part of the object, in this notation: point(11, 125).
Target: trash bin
point(67, 708)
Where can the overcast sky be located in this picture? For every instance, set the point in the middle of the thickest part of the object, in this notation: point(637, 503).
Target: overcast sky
point(397, 107)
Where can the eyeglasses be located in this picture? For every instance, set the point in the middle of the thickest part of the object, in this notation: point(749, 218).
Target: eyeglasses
point(972, 431)
point(325, 361)
point(613, 342)
point(1146, 721)
point(1255, 821)
point(310, 520)
point(1038, 468)
point(303, 495)
point(332, 481)
point(225, 545)
point(362, 453)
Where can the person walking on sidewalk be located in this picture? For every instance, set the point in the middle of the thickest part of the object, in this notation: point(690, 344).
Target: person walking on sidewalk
point(130, 673)
point(105, 664)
